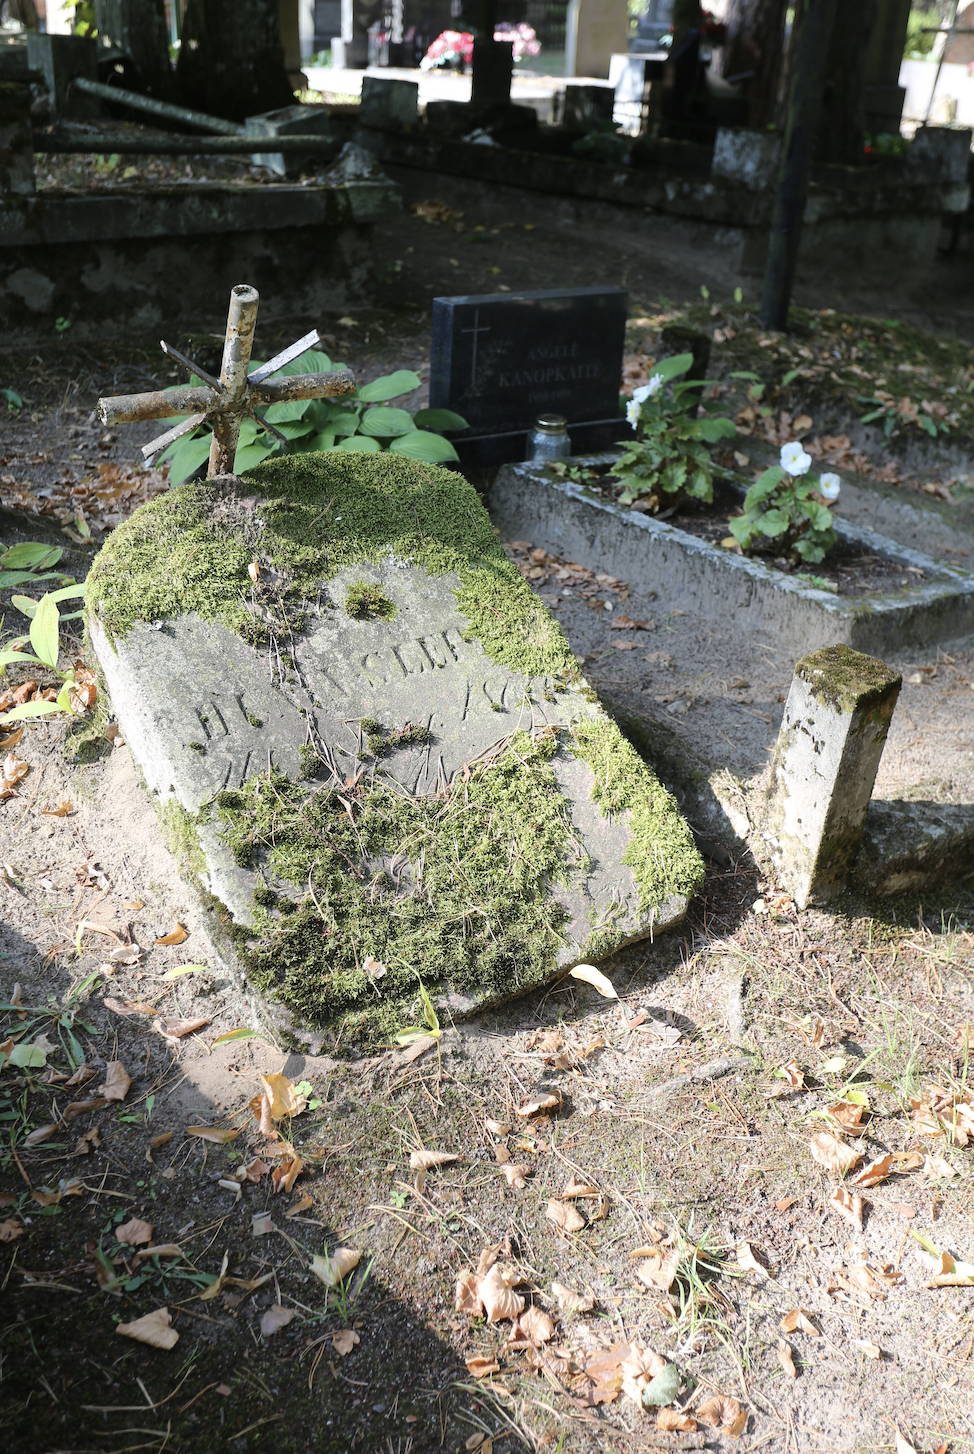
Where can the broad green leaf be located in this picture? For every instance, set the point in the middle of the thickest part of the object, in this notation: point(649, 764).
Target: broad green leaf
point(406, 1037)
point(31, 709)
point(789, 376)
point(312, 362)
point(44, 632)
point(252, 454)
point(344, 422)
point(28, 1057)
point(26, 577)
point(387, 423)
point(745, 374)
point(26, 605)
point(182, 969)
point(439, 419)
point(294, 429)
point(672, 367)
point(403, 381)
point(321, 441)
point(713, 429)
point(249, 430)
point(17, 658)
point(431, 448)
point(188, 455)
point(31, 555)
point(66, 593)
point(290, 409)
point(359, 444)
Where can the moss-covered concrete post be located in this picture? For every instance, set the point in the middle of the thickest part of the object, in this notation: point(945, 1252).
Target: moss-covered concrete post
point(826, 759)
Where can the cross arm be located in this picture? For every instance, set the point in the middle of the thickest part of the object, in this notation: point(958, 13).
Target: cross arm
point(163, 403)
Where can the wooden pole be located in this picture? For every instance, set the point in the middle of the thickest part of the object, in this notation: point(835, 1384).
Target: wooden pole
point(804, 101)
point(241, 321)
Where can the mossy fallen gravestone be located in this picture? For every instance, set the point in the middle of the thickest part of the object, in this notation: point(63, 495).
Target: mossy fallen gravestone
point(372, 745)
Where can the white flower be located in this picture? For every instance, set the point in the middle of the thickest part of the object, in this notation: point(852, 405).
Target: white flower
point(829, 486)
point(794, 460)
point(648, 391)
point(633, 411)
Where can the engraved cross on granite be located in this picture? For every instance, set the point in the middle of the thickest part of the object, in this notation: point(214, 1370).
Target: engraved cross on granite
point(224, 402)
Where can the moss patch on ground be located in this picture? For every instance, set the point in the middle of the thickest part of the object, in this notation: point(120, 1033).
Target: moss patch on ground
point(190, 550)
point(451, 889)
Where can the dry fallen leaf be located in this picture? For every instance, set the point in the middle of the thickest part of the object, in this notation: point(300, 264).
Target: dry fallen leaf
point(42, 1133)
point(176, 937)
point(498, 1297)
point(658, 1271)
point(298, 1208)
point(723, 1412)
point(670, 1420)
point(832, 1153)
point(282, 1097)
point(747, 1260)
point(219, 1135)
point(786, 1359)
point(549, 1102)
point(482, 1367)
point(332, 1269)
point(81, 1108)
point(155, 1329)
point(871, 1350)
point(590, 975)
point(61, 811)
point(536, 1325)
point(565, 1217)
point(424, 1160)
point(569, 1301)
point(794, 1075)
point(135, 1233)
point(848, 1205)
point(874, 1171)
point(117, 1082)
point(467, 1297)
point(515, 1175)
point(580, 1190)
point(937, 1167)
point(286, 1173)
point(175, 1030)
point(10, 1230)
point(848, 1116)
point(497, 1128)
point(799, 1322)
point(903, 1446)
point(344, 1341)
point(274, 1319)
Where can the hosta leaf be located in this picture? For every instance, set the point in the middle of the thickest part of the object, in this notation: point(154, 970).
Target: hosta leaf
point(387, 423)
point(431, 448)
point(359, 443)
point(403, 381)
point(439, 419)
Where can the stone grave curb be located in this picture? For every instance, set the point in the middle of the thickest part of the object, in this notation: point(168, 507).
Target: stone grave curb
point(568, 520)
point(907, 846)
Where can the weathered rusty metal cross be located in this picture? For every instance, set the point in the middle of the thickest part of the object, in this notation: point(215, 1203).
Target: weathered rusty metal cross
point(223, 402)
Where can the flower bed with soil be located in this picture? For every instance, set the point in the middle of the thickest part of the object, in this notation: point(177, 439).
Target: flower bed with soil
point(579, 521)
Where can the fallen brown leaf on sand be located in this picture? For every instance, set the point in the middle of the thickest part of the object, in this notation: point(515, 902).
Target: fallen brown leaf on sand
point(275, 1319)
point(515, 1175)
point(848, 1116)
point(724, 1413)
point(10, 1231)
point(344, 1341)
point(283, 1099)
point(117, 1082)
point(467, 1294)
point(847, 1205)
point(176, 937)
point(580, 1190)
point(832, 1153)
point(549, 1102)
point(177, 1029)
point(14, 771)
point(535, 1324)
point(155, 1329)
point(40, 1134)
point(938, 1168)
point(903, 1446)
point(482, 1367)
point(747, 1260)
point(81, 1108)
point(658, 1271)
point(569, 1301)
point(299, 1207)
point(129, 1007)
point(498, 1296)
point(61, 811)
point(135, 1233)
point(331, 1270)
point(497, 1128)
point(786, 1359)
point(287, 1172)
point(219, 1135)
point(565, 1217)
point(672, 1422)
point(794, 1075)
point(799, 1322)
point(874, 1171)
point(424, 1160)
point(871, 1350)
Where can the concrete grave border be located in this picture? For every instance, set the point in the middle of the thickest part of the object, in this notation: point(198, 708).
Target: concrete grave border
point(572, 521)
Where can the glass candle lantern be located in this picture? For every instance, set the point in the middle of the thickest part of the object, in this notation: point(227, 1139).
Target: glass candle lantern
point(548, 439)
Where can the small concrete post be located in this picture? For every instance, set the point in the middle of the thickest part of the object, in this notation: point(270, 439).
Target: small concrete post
point(826, 759)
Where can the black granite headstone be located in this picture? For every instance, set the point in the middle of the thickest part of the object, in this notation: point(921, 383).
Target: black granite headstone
point(501, 359)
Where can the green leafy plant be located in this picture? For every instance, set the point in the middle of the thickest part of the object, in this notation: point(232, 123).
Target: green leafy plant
point(45, 638)
point(13, 400)
point(669, 461)
point(417, 1032)
point(602, 143)
point(787, 513)
point(901, 413)
point(359, 421)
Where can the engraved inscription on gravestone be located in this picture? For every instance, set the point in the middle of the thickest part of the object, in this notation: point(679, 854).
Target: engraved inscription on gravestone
point(500, 359)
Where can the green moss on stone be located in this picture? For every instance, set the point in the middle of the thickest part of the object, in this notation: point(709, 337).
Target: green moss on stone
point(182, 838)
point(469, 904)
point(849, 680)
point(365, 599)
point(189, 550)
point(662, 854)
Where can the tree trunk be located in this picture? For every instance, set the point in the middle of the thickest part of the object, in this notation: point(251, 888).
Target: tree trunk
point(753, 51)
point(138, 27)
point(842, 123)
point(686, 16)
point(231, 62)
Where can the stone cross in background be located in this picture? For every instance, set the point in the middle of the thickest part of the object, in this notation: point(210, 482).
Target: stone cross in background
point(222, 403)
